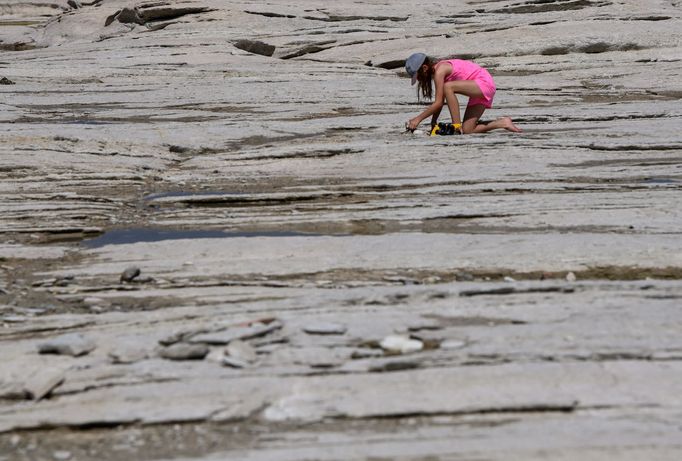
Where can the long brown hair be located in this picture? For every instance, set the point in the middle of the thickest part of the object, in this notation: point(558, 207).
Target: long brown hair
point(425, 87)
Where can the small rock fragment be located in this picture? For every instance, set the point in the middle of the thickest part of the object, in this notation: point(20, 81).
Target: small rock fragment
point(130, 273)
point(325, 328)
point(125, 16)
point(571, 277)
point(216, 355)
point(62, 455)
point(509, 279)
point(75, 4)
point(73, 344)
point(6, 81)
point(234, 362)
point(400, 344)
point(126, 355)
point(43, 382)
point(255, 47)
point(241, 351)
point(183, 351)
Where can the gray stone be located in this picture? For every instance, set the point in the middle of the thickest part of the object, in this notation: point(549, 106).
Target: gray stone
point(125, 16)
point(184, 351)
point(255, 47)
point(6, 81)
point(130, 274)
point(73, 344)
point(325, 328)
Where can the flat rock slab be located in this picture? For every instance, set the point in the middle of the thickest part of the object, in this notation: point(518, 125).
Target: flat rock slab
point(73, 344)
point(325, 328)
point(466, 390)
point(182, 351)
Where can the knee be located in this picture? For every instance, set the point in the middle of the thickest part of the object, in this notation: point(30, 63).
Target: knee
point(468, 128)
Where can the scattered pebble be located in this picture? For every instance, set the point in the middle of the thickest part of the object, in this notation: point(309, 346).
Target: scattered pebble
point(130, 274)
point(73, 344)
point(400, 344)
point(571, 277)
point(183, 351)
point(509, 279)
point(61, 455)
point(6, 81)
point(325, 328)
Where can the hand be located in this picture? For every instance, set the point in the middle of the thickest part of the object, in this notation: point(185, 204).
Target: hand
point(413, 124)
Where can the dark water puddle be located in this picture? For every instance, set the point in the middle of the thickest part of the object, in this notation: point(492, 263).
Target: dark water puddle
point(126, 236)
point(661, 181)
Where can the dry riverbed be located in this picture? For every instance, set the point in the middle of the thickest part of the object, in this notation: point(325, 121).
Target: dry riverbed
point(217, 243)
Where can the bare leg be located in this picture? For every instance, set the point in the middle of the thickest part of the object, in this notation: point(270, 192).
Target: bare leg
point(465, 87)
point(474, 113)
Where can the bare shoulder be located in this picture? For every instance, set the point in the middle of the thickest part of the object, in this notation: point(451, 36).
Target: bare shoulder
point(442, 69)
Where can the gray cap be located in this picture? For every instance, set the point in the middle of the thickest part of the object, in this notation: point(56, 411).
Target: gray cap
point(413, 63)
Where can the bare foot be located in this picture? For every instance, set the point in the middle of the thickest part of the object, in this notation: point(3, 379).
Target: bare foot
point(508, 125)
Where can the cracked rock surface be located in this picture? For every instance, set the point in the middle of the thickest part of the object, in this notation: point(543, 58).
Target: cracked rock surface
point(210, 216)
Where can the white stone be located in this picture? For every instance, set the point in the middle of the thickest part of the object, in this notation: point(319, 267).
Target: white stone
point(401, 344)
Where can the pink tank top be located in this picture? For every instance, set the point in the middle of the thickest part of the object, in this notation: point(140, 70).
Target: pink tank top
point(463, 70)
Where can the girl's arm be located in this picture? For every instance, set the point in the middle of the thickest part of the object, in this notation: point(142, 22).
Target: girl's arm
point(434, 109)
point(434, 117)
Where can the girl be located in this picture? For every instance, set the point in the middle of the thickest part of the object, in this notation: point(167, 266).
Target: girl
point(455, 76)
